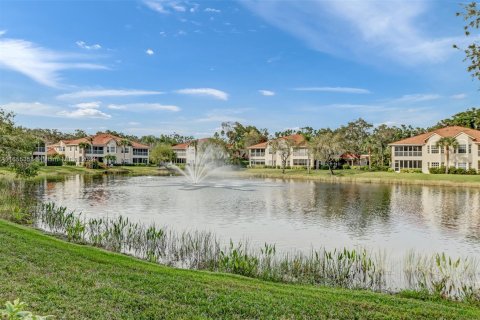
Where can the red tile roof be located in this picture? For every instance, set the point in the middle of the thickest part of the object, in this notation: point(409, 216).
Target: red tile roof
point(102, 139)
point(51, 152)
point(184, 146)
point(443, 132)
point(298, 139)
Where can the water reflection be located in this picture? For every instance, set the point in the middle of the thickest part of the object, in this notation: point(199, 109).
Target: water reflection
point(292, 214)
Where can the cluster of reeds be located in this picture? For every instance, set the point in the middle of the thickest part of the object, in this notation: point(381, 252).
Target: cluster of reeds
point(443, 276)
point(16, 201)
point(355, 268)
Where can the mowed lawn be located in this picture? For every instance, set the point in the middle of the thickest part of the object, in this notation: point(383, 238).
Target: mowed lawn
point(352, 175)
point(80, 282)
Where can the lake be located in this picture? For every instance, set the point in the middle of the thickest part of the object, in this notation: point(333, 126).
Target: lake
point(294, 215)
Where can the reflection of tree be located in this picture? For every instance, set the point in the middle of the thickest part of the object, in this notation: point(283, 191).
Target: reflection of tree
point(358, 206)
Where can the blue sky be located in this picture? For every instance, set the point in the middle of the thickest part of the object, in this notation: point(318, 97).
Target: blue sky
point(152, 67)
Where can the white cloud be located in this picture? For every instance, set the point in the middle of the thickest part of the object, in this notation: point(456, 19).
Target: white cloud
point(91, 113)
point(411, 98)
point(2, 32)
point(88, 105)
point(40, 64)
point(266, 93)
point(212, 10)
point(334, 89)
point(83, 45)
point(149, 52)
point(31, 108)
point(362, 30)
point(85, 94)
point(144, 106)
point(166, 7)
point(82, 110)
point(214, 93)
point(459, 96)
point(155, 6)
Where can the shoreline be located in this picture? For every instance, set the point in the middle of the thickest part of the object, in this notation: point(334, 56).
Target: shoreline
point(405, 179)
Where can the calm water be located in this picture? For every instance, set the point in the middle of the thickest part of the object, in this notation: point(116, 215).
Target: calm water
point(291, 214)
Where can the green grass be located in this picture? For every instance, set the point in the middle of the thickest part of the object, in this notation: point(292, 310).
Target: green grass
point(371, 177)
point(80, 282)
point(53, 171)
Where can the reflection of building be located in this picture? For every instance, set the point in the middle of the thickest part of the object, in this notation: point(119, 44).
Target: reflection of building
point(102, 147)
point(185, 152)
point(422, 152)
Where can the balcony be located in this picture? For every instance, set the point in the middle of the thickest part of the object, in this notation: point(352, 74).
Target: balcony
point(39, 149)
point(140, 152)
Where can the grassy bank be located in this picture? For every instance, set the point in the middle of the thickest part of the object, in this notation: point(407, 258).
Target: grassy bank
point(80, 282)
point(369, 177)
point(53, 171)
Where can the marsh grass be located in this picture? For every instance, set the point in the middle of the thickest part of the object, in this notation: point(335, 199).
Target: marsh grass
point(347, 268)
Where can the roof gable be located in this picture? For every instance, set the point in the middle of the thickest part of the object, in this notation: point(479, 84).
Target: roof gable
point(453, 131)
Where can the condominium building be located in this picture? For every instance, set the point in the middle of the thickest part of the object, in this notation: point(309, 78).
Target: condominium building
point(185, 152)
point(422, 151)
point(263, 154)
point(101, 145)
point(40, 152)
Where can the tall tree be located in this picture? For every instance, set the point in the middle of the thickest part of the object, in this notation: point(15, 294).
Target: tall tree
point(447, 143)
point(355, 134)
point(283, 147)
point(471, 15)
point(161, 153)
point(328, 147)
point(469, 119)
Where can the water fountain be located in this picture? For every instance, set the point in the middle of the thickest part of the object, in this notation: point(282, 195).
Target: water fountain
point(208, 158)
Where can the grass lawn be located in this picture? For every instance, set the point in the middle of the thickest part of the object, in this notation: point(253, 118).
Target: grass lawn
point(80, 282)
point(69, 170)
point(373, 177)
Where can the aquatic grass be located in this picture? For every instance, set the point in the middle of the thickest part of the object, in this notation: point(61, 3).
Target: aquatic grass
point(347, 268)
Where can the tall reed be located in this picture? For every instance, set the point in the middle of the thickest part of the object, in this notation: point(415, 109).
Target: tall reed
point(355, 268)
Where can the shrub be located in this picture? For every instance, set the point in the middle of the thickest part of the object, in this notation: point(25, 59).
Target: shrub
point(91, 164)
point(411, 170)
point(346, 167)
point(54, 162)
point(25, 169)
point(69, 163)
point(15, 310)
point(471, 171)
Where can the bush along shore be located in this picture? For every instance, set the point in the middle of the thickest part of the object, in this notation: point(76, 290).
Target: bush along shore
point(436, 275)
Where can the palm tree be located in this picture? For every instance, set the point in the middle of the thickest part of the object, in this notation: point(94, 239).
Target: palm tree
point(447, 143)
point(125, 143)
point(84, 146)
point(308, 137)
point(368, 145)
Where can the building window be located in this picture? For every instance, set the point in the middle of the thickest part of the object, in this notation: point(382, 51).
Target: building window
point(435, 165)
point(462, 148)
point(257, 162)
point(462, 165)
point(111, 149)
point(125, 150)
point(434, 149)
point(140, 160)
point(257, 152)
point(407, 164)
point(140, 152)
point(299, 162)
point(408, 151)
point(469, 148)
point(300, 152)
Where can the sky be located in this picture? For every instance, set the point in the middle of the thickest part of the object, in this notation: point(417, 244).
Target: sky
point(158, 67)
